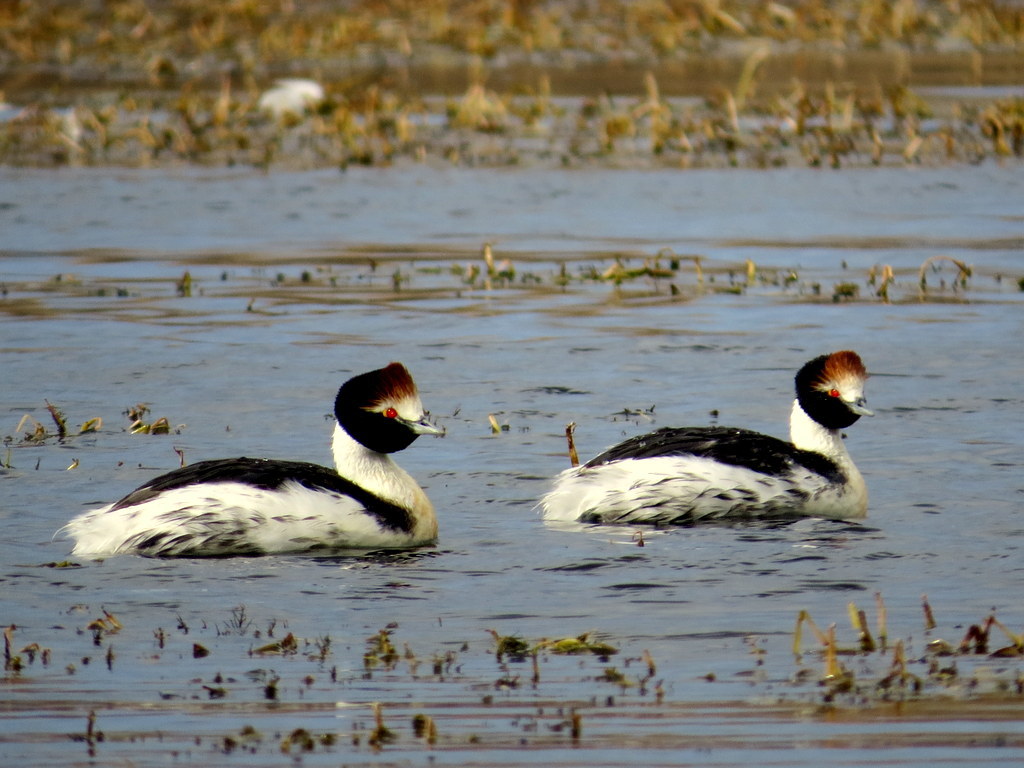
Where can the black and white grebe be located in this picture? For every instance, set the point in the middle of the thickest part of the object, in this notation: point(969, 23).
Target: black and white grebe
point(688, 475)
point(260, 506)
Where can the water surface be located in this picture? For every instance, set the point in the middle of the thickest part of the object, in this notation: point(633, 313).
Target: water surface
point(299, 280)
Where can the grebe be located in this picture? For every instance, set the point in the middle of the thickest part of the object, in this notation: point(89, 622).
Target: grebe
point(259, 506)
point(688, 475)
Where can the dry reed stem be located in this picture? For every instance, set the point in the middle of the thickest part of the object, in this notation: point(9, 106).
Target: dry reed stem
point(574, 458)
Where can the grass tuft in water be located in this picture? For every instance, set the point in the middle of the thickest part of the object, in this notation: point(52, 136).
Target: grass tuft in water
point(869, 685)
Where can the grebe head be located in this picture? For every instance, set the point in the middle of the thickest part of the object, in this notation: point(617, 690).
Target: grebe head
point(382, 410)
point(830, 389)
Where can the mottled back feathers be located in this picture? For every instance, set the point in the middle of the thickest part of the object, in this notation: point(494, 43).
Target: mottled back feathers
point(270, 475)
point(727, 445)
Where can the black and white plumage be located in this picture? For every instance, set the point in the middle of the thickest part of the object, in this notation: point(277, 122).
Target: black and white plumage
point(247, 506)
point(689, 475)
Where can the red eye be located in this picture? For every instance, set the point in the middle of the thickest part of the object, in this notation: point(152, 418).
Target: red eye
point(833, 393)
point(391, 413)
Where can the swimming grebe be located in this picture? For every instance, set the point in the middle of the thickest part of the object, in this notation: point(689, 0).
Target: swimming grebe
point(259, 506)
point(688, 475)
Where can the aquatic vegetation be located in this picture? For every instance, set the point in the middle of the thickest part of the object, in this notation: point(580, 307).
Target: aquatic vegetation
point(138, 414)
point(512, 647)
point(92, 735)
point(107, 624)
point(880, 280)
point(845, 291)
point(424, 727)
point(581, 644)
point(12, 663)
point(931, 265)
point(171, 102)
point(38, 432)
point(381, 734)
point(938, 676)
point(39, 435)
point(286, 646)
point(380, 651)
point(517, 649)
point(584, 280)
point(478, 702)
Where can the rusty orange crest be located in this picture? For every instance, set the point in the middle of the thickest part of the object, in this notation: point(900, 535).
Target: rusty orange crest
point(842, 365)
point(396, 383)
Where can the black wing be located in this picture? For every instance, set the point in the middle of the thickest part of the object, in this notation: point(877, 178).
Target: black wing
point(270, 474)
point(728, 445)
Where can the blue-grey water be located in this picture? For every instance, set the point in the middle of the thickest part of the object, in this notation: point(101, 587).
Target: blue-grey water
point(300, 280)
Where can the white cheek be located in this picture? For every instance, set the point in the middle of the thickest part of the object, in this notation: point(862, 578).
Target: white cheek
point(851, 390)
point(854, 393)
point(409, 408)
